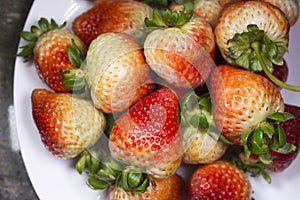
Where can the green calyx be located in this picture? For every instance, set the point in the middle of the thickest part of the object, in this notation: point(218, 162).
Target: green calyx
point(242, 53)
point(74, 78)
point(196, 117)
point(110, 173)
point(195, 110)
point(35, 32)
point(268, 136)
point(255, 169)
point(168, 18)
point(255, 51)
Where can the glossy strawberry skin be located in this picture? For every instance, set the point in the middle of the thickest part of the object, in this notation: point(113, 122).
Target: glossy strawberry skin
point(219, 181)
point(66, 125)
point(241, 100)
point(182, 56)
point(148, 135)
point(117, 72)
point(292, 130)
point(51, 57)
point(110, 16)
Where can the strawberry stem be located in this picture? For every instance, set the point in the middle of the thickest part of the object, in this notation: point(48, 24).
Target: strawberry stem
point(255, 51)
point(256, 47)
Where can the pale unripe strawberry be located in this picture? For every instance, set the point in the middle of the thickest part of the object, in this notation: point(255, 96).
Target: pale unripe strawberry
point(236, 16)
point(117, 72)
point(242, 100)
point(209, 9)
point(289, 7)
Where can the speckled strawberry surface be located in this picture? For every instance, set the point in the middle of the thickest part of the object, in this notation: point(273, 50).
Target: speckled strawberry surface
point(148, 136)
point(51, 57)
point(219, 181)
point(117, 72)
point(110, 16)
point(242, 100)
point(67, 125)
point(182, 56)
point(236, 16)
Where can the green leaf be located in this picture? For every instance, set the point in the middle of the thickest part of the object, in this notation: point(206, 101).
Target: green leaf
point(142, 187)
point(199, 120)
point(95, 163)
point(134, 178)
point(95, 183)
point(286, 149)
point(245, 137)
point(280, 116)
point(80, 164)
point(28, 36)
point(255, 142)
point(44, 25)
point(268, 129)
point(205, 102)
point(266, 158)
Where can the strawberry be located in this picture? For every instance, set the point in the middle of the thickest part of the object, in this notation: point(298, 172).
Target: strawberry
point(280, 161)
point(48, 45)
point(117, 72)
point(236, 16)
point(209, 10)
point(67, 125)
point(289, 7)
point(292, 129)
point(182, 52)
point(220, 181)
point(169, 188)
point(254, 35)
point(148, 136)
point(110, 16)
point(200, 145)
point(246, 115)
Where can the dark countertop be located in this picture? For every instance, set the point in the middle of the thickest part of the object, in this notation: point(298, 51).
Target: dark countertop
point(14, 181)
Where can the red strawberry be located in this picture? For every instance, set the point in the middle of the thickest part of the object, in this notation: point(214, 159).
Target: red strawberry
point(48, 44)
point(110, 16)
point(148, 135)
point(181, 53)
point(219, 181)
point(292, 130)
point(279, 161)
point(67, 125)
point(169, 188)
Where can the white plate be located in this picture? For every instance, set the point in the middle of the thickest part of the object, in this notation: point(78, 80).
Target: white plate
point(56, 179)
